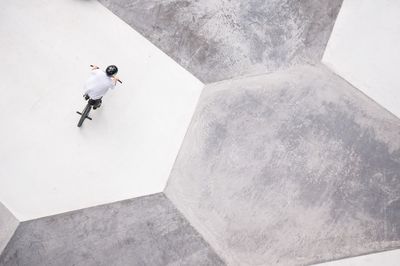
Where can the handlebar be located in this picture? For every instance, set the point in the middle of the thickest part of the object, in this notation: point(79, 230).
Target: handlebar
point(114, 77)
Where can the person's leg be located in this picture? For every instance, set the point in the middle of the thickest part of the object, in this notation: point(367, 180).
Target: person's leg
point(92, 102)
point(97, 103)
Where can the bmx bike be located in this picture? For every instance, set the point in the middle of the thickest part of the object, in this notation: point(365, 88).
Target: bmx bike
point(89, 105)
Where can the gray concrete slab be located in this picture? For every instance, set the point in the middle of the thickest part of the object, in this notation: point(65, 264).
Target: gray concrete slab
point(217, 40)
point(142, 231)
point(8, 225)
point(290, 168)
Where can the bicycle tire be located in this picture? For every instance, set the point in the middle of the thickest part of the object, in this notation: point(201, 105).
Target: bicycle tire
point(85, 113)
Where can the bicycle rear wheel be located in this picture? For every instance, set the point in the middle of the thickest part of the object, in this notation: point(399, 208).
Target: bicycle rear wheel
point(85, 113)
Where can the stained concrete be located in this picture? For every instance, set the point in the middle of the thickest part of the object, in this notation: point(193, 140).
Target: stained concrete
point(290, 168)
point(8, 225)
point(217, 40)
point(142, 231)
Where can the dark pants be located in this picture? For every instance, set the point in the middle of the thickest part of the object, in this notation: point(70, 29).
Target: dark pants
point(95, 103)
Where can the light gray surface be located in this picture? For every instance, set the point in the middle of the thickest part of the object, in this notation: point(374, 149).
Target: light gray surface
point(290, 168)
point(143, 231)
point(386, 258)
point(8, 225)
point(217, 40)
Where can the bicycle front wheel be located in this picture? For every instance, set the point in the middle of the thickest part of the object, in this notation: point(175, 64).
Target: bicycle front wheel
point(85, 113)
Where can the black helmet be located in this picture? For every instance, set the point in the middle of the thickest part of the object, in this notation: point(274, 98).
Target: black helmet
point(111, 70)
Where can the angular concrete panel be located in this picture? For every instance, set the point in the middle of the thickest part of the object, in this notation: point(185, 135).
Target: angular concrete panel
point(142, 231)
point(55, 166)
point(217, 40)
point(290, 168)
point(388, 258)
point(8, 225)
point(364, 49)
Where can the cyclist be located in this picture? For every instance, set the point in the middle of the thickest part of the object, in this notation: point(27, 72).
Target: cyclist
point(98, 83)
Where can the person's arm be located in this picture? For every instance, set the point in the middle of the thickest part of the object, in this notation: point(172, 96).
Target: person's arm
point(115, 80)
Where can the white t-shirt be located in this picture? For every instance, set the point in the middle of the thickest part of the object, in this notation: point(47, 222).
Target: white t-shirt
point(98, 84)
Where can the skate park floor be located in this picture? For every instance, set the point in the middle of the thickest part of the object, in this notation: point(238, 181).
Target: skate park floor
point(223, 146)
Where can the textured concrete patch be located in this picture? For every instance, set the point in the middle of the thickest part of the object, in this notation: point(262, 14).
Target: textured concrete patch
point(289, 169)
point(8, 225)
point(142, 231)
point(217, 40)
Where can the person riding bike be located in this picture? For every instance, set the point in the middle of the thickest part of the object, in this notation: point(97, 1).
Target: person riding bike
point(98, 83)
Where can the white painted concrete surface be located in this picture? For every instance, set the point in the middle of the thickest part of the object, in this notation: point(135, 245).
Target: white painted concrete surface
point(48, 165)
point(388, 258)
point(364, 49)
point(8, 225)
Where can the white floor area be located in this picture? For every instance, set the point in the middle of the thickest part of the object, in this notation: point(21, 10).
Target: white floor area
point(8, 225)
point(47, 164)
point(388, 258)
point(364, 49)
